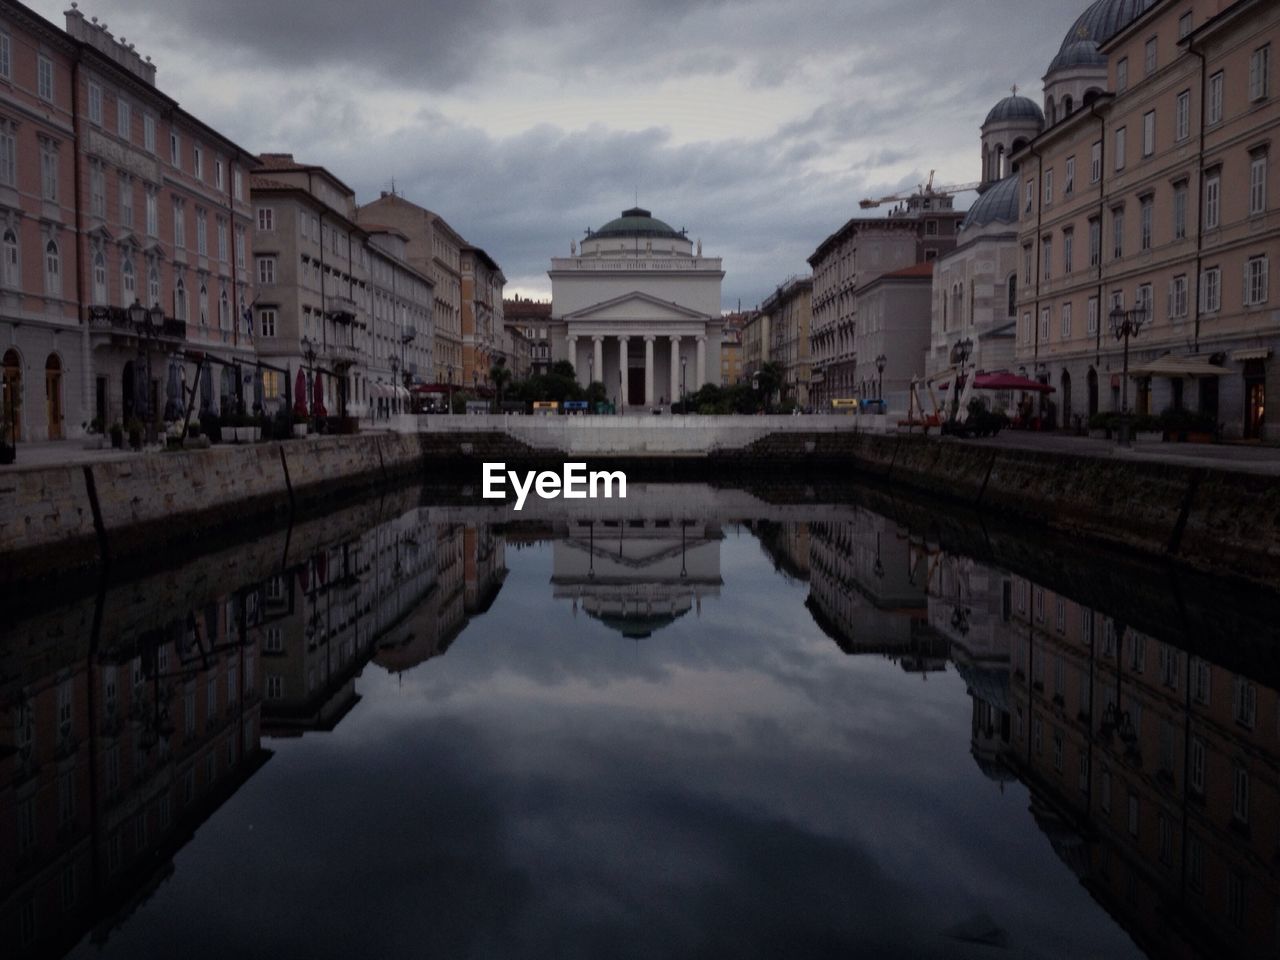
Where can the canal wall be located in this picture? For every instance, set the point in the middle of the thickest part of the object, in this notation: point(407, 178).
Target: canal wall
point(58, 519)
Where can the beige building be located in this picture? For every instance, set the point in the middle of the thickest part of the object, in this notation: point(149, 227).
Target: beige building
point(529, 320)
point(1159, 196)
point(790, 312)
point(435, 249)
point(755, 343)
point(400, 311)
point(920, 229)
point(482, 326)
point(894, 321)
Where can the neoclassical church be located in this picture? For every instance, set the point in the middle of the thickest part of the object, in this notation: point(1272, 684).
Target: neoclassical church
point(637, 308)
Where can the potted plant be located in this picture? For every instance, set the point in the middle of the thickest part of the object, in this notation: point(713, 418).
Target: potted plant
point(117, 435)
point(94, 438)
point(1100, 426)
point(135, 430)
point(1146, 429)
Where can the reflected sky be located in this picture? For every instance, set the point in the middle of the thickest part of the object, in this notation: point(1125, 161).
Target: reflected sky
point(732, 785)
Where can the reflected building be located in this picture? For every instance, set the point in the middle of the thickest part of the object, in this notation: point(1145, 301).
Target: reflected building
point(867, 591)
point(1155, 774)
point(786, 544)
point(636, 576)
point(113, 750)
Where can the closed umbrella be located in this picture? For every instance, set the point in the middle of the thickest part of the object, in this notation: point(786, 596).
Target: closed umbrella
point(300, 395)
point(257, 390)
point(317, 398)
point(173, 394)
point(206, 389)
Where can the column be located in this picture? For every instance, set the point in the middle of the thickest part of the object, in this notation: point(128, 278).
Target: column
point(573, 353)
point(597, 358)
point(700, 371)
point(623, 399)
point(675, 371)
point(648, 372)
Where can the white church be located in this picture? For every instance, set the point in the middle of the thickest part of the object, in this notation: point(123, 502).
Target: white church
point(638, 309)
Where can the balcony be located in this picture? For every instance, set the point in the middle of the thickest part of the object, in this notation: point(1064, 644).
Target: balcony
point(408, 332)
point(341, 309)
point(156, 327)
point(343, 353)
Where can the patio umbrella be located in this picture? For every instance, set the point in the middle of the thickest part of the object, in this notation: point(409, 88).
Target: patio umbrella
point(173, 394)
point(206, 389)
point(1009, 381)
point(317, 398)
point(300, 395)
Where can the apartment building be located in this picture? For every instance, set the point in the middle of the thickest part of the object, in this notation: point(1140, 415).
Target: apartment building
point(1158, 195)
point(482, 324)
point(790, 311)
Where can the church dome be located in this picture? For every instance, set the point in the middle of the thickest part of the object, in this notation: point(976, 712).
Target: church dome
point(1103, 20)
point(636, 222)
point(1015, 108)
point(998, 204)
point(1078, 53)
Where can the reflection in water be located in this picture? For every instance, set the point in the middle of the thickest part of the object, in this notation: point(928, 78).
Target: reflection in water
point(130, 721)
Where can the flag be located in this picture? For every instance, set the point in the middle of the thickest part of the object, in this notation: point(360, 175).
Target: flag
point(247, 316)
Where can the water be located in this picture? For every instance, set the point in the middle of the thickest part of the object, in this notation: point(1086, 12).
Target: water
point(681, 730)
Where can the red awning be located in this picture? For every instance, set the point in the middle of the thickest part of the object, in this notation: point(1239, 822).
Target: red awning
point(1009, 381)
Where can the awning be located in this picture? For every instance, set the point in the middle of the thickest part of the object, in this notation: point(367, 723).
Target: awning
point(1251, 353)
point(1174, 367)
point(1009, 381)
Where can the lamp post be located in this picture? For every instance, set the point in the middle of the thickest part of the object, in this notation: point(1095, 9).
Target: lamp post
point(1126, 324)
point(881, 362)
point(449, 369)
point(395, 371)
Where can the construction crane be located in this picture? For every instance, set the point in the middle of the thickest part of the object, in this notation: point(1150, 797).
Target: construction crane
point(925, 189)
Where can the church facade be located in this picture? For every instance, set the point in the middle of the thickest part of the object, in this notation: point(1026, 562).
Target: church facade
point(637, 308)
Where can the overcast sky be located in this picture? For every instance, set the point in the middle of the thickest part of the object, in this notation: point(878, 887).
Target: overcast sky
point(756, 125)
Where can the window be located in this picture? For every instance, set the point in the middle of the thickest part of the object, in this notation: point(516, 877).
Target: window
point(202, 232)
point(267, 322)
point(149, 133)
point(1117, 233)
point(275, 687)
point(1215, 99)
point(153, 212)
point(48, 169)
point(1030, 199)
point(180, 299)
point(1145, 210)
point(1068, 249)
point(266, 218)
point(179, 225)
point(1133, 813)
point(1178, 297)
point(95, 103)
point(1048, 186)
point(1095, 241)
point(175, 149)
point(1184, 24)
point(1069, 181)
point(237, 185)
point(1045, 319)
point(153, 286)
point(1027, 275)
point(1151, 56)
point(1148, 133)
point(1259, 68)
point(128, 281)
point(97, 189)
point(266, 270)
point(1255, 280)
point(1201, 680)
point(1057, 749)
point(8, 152)
point(1198, 760)
point(239, 247)
point(1182, 116)
point(1095, 162)
point(1066, 326)
point(1104, 790)
point(1258, 183)
point(1212, 199)
point(1013, 294)
point(217, 173)
point(1122, 74)
point(6, 55)
point(222, 239)
point(224, 311)
point(12, 274)
point(1120, 148)
point(44, 78)
point(1180, 210)
point(126, 200)
point(1142, 301)
point(52, 269)
point(1211, 290)
point(1244, 702)
point(1240, 795)
point(124, 118)
point(1046, 259)
point(1091, 321)
point(1166, 840)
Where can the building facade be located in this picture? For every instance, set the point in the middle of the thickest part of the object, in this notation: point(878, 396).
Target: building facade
point(401, 311)
point(111, 195)
point(1159, 198)
point(790, 311)
point(531, 319)
point(894, 324)
point(638, 309)
point(482, 324)
point(755, 343)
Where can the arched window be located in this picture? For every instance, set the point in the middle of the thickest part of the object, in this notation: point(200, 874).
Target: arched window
point(12, 274)
point(204, 304)
point(52, 269)
point(1013, 294)
point(128, 282)
point(224, 311)
point(153, 286)
point(99, 278)
point(1067, 106)
point(1048, 111)
point(180, 300)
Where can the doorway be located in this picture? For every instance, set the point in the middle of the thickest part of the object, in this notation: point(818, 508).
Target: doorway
point(13, 393)
point(53, 395)
point(635, 386)
point(1092, 382)
point(1255, 399)
point(1066, 401)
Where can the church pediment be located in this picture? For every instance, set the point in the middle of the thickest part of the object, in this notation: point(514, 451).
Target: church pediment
point(635, 306)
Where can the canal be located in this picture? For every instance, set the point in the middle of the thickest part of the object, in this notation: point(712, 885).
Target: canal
point(809, 729)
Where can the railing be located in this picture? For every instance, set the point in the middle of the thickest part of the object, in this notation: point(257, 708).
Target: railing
point(408, 332)
point(117, 319)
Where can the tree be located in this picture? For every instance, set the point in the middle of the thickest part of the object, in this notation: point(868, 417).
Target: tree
point(500, 377)
point(768, 380)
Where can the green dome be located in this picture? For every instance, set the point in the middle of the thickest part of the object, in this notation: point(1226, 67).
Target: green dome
point(636, 222)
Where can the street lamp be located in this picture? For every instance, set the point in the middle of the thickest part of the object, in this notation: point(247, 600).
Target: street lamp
point(395, 379)
point(881, 362)
point(1126, 324)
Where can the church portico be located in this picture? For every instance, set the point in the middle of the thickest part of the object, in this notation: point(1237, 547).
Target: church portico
point(638, 310)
